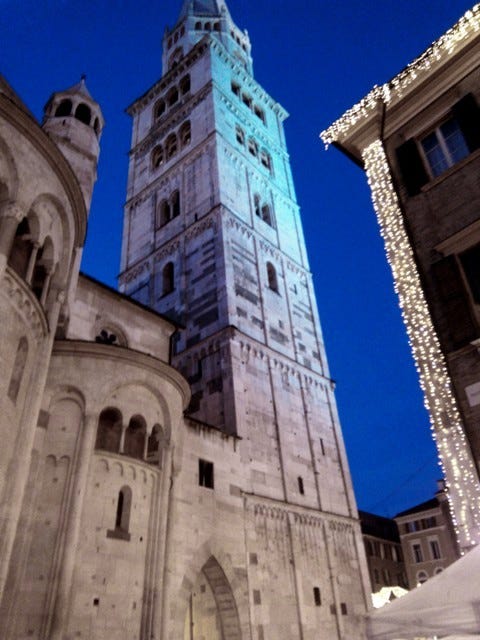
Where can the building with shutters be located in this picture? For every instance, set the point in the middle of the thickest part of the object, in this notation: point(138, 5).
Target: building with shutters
point(172, 464)
point(418, 139)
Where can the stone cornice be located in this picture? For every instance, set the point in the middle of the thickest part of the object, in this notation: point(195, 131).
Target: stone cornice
point(28, 127)
point(119, 355)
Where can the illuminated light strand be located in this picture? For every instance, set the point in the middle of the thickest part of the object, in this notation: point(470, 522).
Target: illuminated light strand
point(468, 24)
point(445, 421)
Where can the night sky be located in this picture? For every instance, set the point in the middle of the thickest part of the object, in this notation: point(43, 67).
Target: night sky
point(317, 59)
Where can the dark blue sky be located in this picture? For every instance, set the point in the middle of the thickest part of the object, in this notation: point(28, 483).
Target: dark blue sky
point(316, 58)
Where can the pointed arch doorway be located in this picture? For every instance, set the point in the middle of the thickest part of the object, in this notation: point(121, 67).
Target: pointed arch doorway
point(212, 611)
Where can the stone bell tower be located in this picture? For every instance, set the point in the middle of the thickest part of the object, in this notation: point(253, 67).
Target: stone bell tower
point(213, 239)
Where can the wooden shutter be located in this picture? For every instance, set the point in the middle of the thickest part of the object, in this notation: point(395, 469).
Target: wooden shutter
point(412, 167)
point(456, 313)
point(467, 114)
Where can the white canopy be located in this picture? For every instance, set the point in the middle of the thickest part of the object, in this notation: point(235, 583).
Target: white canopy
point(446, 606)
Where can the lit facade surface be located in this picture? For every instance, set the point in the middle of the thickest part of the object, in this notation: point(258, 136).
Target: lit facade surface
point(172, 463)
point(417, 141)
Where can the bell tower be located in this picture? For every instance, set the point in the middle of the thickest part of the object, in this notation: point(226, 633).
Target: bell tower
point(213, 239)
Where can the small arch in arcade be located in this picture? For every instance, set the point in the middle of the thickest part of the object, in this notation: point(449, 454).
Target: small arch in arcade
point(64, 108)
point(21, 250)
point(83, 113)
point(109, 431)
point(135, 435)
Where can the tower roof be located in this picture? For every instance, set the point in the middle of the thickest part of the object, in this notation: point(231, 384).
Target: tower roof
point(81, 88)
point(203, 8)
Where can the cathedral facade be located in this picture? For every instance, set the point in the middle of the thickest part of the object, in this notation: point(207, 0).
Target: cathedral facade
point(173, 464)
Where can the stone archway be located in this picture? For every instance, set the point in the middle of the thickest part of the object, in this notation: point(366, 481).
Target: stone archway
point(212, 611)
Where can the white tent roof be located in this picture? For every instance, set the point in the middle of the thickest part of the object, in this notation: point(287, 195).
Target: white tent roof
point(447, 605)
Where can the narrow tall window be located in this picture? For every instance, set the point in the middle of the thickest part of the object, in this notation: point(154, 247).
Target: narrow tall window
point(256, 205)
point(272, 277)
point(159, 109)
point(172, 97)
point(236, 88)
point(122, 515)
point(317, 596)
point(240, 135)
point(252, 147)
point(205, 474)
point(171, 146)
point(158, 156)
point(185, 84)
point(185, 134)
point(168, 279)
point(266, 215)
point(18, 369)
point(417, 553)
point(164, 213)
point(435, 549)
point(19, 257)
point(175, 204)
point(301, 488)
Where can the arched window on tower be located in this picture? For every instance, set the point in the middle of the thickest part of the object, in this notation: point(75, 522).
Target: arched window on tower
point(198, 26)
point(134, 444)
point(109, 430)
point(171, 146)
point(83, 113)
point(168, 281)
point(185, 85)
point(164, 212)
point(18, 369)
point(21, 249)
point(185, 134)
point(266, 215)
point(172, 96)
point(64, 108)
point(175, 203)
point(272, 277)
point(159, 109)
point(208, 26)
point(256, 205)
point(266, 160)
point(158, 156)
point(122, 515)
point(252, 147)
point(154, 453)
point(240, 135)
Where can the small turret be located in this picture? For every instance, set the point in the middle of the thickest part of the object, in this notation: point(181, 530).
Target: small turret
point(74, 120)
point(198, 18)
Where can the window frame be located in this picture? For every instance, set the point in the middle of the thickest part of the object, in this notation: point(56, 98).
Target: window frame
point(442, 143)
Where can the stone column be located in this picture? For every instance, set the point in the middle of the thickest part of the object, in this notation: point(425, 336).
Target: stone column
point(10, 218)
point(78, 484)
point(31, 262)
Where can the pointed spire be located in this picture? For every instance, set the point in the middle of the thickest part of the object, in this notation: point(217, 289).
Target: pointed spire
point(80, 87)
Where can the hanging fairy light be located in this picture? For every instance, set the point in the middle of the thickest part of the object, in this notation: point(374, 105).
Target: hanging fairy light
point(445, 420)
point(447, 44)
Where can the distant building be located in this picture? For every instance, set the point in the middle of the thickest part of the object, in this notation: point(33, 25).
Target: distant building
point(384, 551)
point(428, 539)
point(418, 139)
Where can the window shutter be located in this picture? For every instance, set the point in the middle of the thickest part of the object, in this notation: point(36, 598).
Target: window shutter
point(456, 312)
point(467, 114)
point(412, 168)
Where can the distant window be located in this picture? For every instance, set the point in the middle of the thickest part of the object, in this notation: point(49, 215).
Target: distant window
point(175, 203)
point(106, 337)
point(417, 553)
point(435, 550)
point(376, 576)
point(470, 261)
point(164, 213)
point(301, 488)
point(208, 26)
point(235, 88)
point(171, 146)
point(266, 160)
point(216, 26)
point(205, 474)
point(83, 113)
point(368, 548)
point(252, 147)
point(444, 147)
point(122, 517)
point(343, 608)
point(259, 113)
point(158, 156)
point(64, 108)
point(266, 215)
point(159, 109)
point(247, 100)
point(272, 277)
point(198, 26)
point(109, 430)
point(422, 577)
point(240, 135)
point(168, 279)
point(185, 134)
point(135, 438)
point(317, 596)
point(185, 85)
point(172, 97)
point(18, 369)
point(256, 205)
